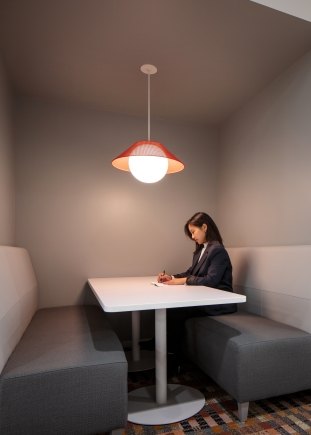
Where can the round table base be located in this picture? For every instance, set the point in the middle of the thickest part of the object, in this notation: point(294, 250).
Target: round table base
point(182, 402)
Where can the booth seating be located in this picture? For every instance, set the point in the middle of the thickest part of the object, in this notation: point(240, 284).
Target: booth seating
point(62, 370)
point(250, 355)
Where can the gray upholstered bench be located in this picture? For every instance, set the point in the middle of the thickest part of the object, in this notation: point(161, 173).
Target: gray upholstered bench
point(249, 356)
point(62, 370)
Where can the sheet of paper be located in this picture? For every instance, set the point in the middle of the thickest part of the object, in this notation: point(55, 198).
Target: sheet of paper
point(158, 284)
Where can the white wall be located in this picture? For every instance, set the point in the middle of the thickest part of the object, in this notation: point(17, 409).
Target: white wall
point(265, 176)
point(7, 195)
point(79, 217)
point(265, 199)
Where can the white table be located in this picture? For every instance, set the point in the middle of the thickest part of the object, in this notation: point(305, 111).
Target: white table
point(163, 403)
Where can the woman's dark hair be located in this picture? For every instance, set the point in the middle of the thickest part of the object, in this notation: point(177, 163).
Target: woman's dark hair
point(200, 218)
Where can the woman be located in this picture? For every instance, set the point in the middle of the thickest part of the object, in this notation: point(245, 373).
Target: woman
point(211, 267)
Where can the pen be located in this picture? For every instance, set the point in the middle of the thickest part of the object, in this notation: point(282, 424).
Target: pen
point(160, 279)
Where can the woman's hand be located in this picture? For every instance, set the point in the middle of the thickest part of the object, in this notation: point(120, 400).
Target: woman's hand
point(176, 281)
point(163, 277)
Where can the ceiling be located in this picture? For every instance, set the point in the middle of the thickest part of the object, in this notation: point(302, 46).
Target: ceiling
point(212, 55)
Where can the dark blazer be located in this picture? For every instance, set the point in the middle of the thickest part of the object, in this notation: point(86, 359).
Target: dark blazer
point(213, 270)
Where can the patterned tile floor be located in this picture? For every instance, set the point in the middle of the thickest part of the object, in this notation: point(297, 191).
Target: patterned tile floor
point(290, 414)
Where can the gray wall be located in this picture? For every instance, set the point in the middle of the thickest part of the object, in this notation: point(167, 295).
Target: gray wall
point(79, 217)
point(264, 194)
point(7, 195)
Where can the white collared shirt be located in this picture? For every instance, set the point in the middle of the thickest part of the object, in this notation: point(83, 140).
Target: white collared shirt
point(203, 249)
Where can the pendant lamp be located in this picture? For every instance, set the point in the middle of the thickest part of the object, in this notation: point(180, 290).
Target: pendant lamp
point(148, 161)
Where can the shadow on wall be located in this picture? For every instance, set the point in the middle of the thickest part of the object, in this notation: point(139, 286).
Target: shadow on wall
point(242, 272)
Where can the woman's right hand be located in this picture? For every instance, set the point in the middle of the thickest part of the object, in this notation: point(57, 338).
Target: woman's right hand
point(163, 277)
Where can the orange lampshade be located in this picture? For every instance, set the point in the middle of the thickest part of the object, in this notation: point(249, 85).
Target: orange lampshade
point(148, 148)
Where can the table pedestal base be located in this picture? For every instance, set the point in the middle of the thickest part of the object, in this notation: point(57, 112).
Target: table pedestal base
point(182, 402)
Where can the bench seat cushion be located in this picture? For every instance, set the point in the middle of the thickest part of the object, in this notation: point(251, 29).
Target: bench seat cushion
point(250, 356)
point(67, 375)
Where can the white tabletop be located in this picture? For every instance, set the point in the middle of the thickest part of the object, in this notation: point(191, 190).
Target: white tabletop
point(138, 293)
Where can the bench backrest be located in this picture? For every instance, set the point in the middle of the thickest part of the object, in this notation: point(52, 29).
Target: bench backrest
point(18, 298)
point(276, 281)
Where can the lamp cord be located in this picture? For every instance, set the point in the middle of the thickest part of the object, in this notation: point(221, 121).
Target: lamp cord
point(148, 107)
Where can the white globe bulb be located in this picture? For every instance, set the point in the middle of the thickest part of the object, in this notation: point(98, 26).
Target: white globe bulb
point(148, 169)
